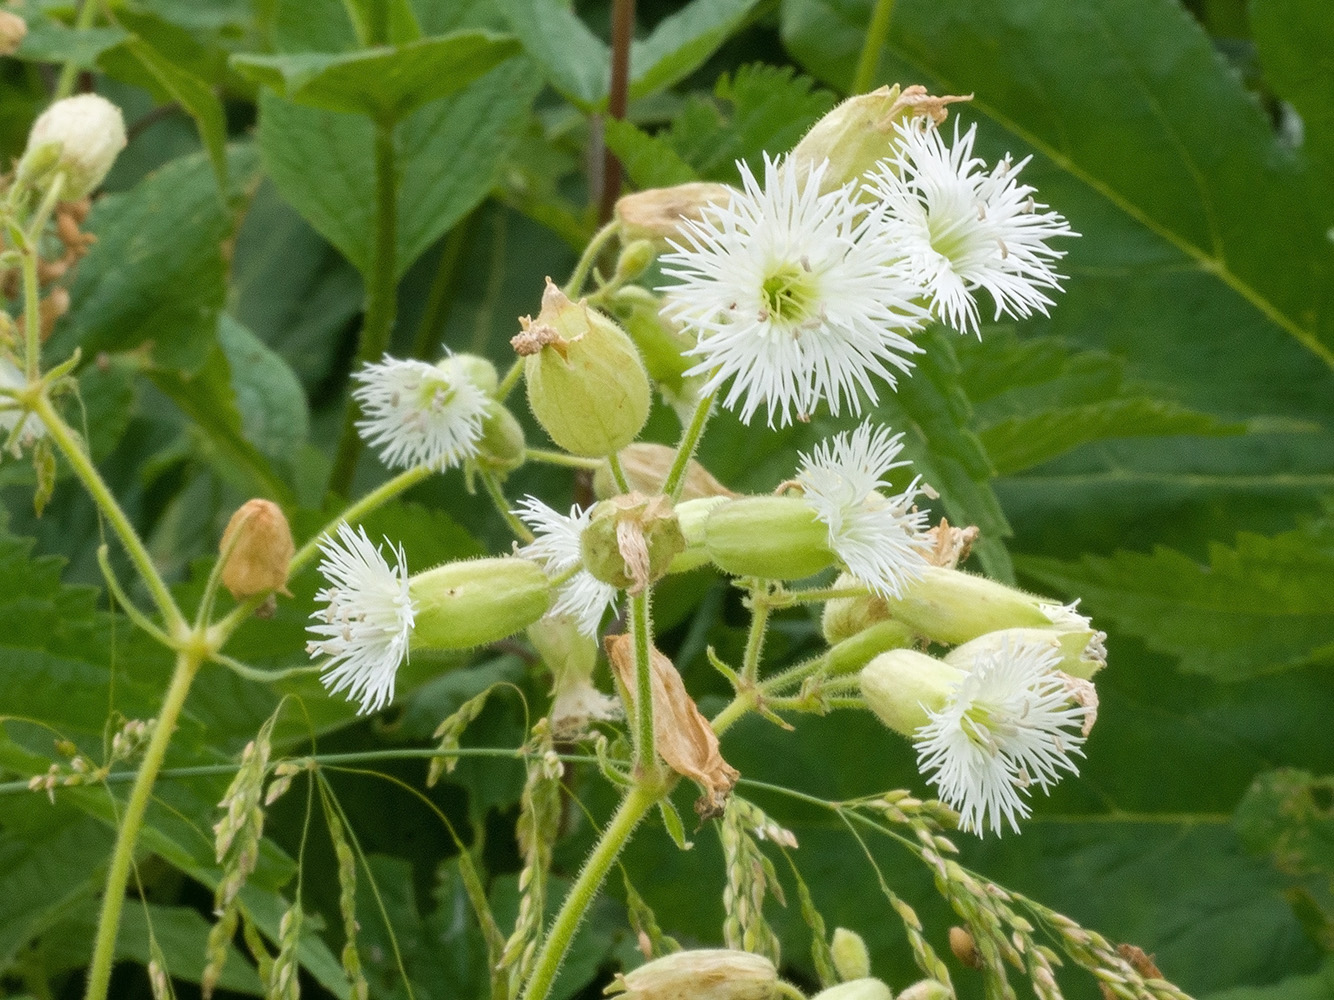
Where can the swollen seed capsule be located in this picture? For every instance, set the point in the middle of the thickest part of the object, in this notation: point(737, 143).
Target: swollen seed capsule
point(586, 382)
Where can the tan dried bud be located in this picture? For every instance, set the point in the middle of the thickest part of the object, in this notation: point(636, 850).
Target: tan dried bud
point(631, 540)
point(965, 948)
point(13, 29)
point(950, 545)
point(684, 737)
point(656, 214)
point(646, 466)
point(703, 974)
point(257, 545)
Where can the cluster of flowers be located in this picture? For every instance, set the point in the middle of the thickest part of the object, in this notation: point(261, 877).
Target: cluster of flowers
point(787, 293)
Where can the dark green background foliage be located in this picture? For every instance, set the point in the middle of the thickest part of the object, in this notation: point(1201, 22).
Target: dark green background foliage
point(1162, 446)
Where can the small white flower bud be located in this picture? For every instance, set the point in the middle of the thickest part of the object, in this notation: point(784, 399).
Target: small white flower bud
point(79, 137)
point(704, 974)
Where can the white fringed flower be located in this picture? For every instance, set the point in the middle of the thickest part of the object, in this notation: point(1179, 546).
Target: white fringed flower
point(11, 377)
point(961, 227)
point(1009, 723)
point(882, 540)
point(792, 296)
point(418, 415)
point(583, 597)
point(368, 619)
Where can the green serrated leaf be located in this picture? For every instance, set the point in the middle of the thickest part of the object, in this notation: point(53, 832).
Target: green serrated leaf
point(1255, 608)
point(573, 60)
point(649, 160)
point(386, 83)
point(1022, 442)
point(249, 406)
point(157, 273)
point(757, 109)
point(449, 151)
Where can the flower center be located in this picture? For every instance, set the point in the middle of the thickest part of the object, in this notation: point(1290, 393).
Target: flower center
point(789, 294)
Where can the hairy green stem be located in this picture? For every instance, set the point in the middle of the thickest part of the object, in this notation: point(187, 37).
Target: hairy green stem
point(381, 295)
point(877, 33)
point(618, 473)
point(685, 451)
point(637, 802)
point(497, 496)
point(373, 500)
point(32, 313)
point(510, 380)
point(78, 459)
point(122, 857)
point(560, 458)
point(579, 276)
point(759, 623)
point(646, 754)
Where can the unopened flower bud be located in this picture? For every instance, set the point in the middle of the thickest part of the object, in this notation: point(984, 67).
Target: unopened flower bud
point(631, 541)
point(636, 258)
point(501, 446)
point(927, 989)
point(773, 537)
point(586, 383)
point(951, 606)
point(477, 370)
point(856, 651)
point(844, 617)
point(464, 604)
point(859, 133)
point(656, 214)
point(646, 466)
point(661, 342)
point(257, 544)
point(865, 988)
point(851, 958)
point(704, 974)
point(902, 686)
point(78, 137)
point(13, 29)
